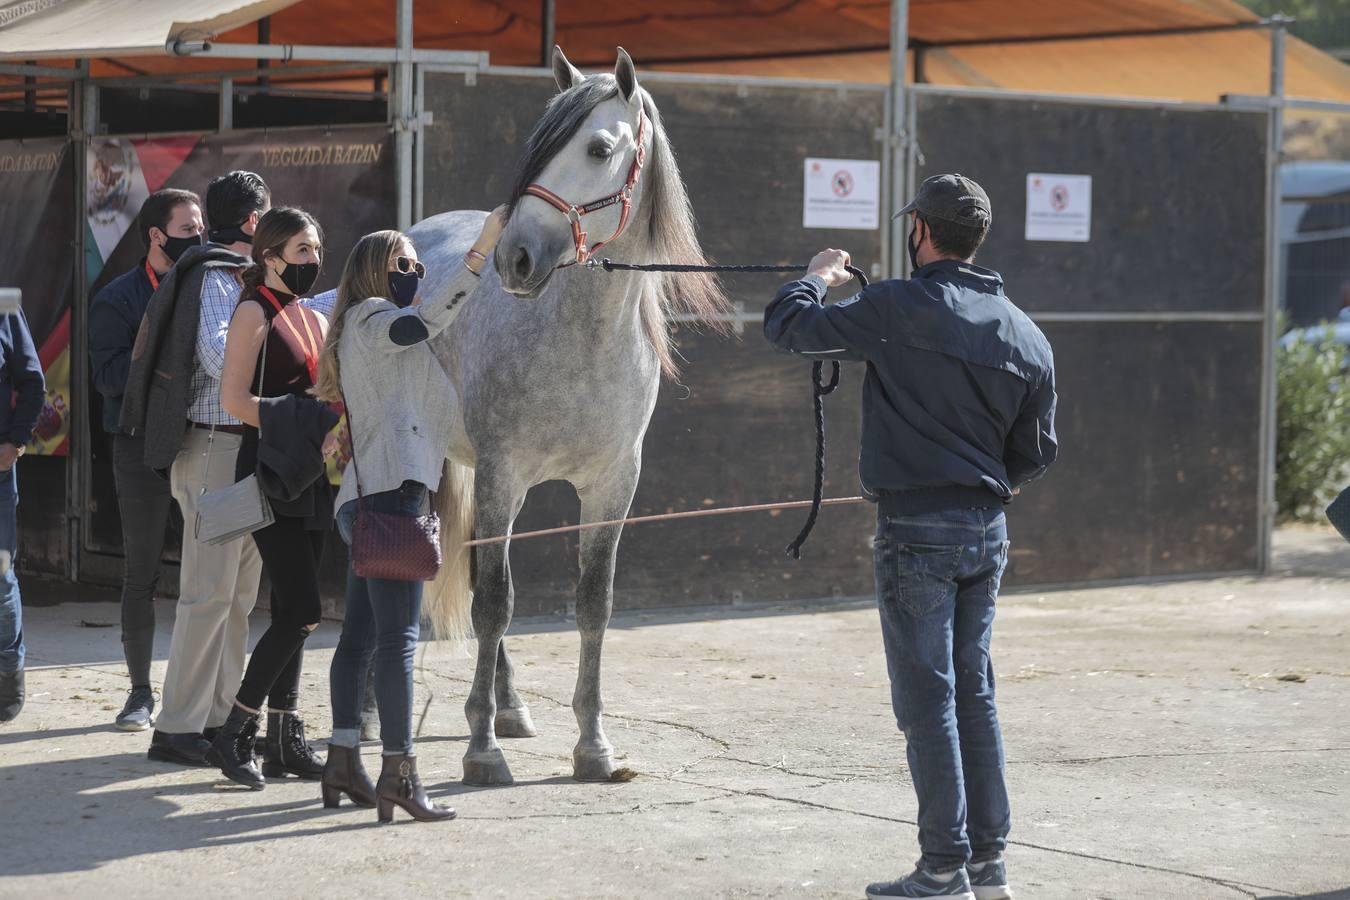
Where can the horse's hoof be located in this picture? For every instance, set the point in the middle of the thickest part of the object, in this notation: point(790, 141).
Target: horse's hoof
point(486, 768)
point(514, 723)
point(592, 765)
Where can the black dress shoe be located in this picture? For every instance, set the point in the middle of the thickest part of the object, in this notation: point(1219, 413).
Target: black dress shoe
point(11, 695)
point(182, 749)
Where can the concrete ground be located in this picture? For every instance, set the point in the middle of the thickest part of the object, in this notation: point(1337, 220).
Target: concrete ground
point(1184, 740)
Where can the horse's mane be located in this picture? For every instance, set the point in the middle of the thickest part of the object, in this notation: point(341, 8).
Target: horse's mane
point(666, 219)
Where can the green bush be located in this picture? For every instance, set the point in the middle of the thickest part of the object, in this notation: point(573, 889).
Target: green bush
point(1312, 456)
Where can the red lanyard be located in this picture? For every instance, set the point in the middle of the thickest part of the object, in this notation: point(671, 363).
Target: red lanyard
point(150, 273)
point(309, 345)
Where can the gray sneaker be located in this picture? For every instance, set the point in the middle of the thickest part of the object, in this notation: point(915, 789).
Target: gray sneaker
point(989, 880)
point(139, 713)
point(921, 883)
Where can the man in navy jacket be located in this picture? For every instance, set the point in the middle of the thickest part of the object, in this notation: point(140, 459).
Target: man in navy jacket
point(22, 389)
point(170, 223)
point(958, 414)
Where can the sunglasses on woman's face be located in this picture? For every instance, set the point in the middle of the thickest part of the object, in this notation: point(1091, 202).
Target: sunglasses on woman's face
point(405, 265)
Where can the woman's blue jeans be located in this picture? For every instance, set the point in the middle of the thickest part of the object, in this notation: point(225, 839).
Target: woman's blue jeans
point(11, 605)
point(381, 620)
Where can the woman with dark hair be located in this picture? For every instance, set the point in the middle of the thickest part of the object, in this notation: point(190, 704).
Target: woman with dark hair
point(271, 363)
point(399, 444)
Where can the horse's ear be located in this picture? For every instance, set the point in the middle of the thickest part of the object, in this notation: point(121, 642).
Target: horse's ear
point(566, 74)
point(626, 75)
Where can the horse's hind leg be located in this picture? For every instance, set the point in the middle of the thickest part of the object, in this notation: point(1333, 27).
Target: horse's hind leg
point(513, 716)
point(593, 758)
point(493, 599)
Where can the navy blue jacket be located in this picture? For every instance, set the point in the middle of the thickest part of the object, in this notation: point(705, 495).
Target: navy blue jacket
point(21, 381)
point(114, 317)
point(959, 397)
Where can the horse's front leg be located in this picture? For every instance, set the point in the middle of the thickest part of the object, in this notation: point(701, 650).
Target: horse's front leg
point(498, 503)
point(610, 498)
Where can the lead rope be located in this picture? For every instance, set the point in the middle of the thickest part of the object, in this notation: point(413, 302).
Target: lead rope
point(819, 388)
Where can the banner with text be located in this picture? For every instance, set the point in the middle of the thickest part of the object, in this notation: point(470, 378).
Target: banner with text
point(37, 220)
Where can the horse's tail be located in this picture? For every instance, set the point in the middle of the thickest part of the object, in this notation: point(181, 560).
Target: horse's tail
point(449, 599)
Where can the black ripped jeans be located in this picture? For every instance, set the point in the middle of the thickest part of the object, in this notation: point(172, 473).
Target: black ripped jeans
point(291, 557)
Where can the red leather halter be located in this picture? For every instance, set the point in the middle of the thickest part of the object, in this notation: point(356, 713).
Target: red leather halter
point(623, 195)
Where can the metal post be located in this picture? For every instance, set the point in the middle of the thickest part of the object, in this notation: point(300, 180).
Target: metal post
point(549, 33)
point(1274, 291)
point(899, 139)
point(226, 104)
point(403, 112)
point(82, 125)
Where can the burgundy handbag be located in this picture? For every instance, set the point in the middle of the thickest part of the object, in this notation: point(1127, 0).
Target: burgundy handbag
point(388, 545)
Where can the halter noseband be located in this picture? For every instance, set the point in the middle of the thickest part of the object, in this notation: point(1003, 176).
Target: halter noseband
point(623, 195)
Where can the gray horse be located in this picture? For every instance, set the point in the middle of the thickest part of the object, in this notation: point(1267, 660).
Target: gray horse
point(556, 371)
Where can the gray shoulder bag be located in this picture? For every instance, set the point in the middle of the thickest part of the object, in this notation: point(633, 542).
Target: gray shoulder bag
point(232, 512)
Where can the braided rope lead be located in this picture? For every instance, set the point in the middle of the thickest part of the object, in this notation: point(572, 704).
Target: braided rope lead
point(819, 389)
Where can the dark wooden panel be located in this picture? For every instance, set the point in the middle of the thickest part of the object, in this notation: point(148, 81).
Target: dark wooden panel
point(1178, 200)
point(1158, 423)
point(1159, 435)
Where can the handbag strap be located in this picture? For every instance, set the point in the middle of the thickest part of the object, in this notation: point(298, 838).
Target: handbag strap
point(211, 437)
point(351, 435)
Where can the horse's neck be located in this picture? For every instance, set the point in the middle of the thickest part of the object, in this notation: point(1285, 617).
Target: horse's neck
point(607, 305)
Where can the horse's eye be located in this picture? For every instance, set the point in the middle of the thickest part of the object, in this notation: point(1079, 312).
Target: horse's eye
point(601, 151)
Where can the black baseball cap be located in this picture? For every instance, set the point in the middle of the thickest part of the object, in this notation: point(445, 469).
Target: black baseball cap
point(953, 198)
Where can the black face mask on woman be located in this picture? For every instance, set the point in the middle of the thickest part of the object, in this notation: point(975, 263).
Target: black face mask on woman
point(300, 277)
point(403, 288)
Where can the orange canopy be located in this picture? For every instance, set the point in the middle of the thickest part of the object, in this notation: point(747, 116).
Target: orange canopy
point(1153, 48)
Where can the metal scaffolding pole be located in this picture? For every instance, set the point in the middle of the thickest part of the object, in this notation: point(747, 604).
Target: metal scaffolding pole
point(1274, 289)
point(898, 146)
point(402, 109)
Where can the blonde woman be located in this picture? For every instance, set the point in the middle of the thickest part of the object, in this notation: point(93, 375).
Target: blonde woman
point(380, 335)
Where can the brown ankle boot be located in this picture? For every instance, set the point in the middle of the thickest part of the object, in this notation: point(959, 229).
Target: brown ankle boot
point(344, 774)
point(400, 786)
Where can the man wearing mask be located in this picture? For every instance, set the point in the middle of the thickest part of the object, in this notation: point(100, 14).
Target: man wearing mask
point(172, 401)
point(170, 223)
point(22, 389)
point(958, 414)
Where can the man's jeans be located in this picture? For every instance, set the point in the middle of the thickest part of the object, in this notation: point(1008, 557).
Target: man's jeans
point(11, 607)
point(382, 619)
point(937, 582)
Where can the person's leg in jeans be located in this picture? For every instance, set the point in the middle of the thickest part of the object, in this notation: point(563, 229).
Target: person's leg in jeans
point(351, 660)
point(397, 610)
point(11, 604)
point(918, 560)
point(143, 500)
point(988, 818)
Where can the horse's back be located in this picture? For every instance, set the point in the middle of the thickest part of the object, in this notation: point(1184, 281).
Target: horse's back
point(442, 241)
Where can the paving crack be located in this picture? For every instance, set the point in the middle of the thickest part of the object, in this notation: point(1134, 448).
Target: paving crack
point(1245, 889)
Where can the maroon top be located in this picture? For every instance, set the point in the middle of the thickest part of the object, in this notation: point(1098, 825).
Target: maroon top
point(293, 330)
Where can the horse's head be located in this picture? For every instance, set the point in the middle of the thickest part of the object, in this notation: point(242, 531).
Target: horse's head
point(579, 182)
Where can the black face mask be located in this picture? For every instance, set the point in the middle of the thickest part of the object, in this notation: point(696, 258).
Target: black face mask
point(175, 247)
point(403, 288)
point(231, 235)
point(913, 246)
point(300, 277)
